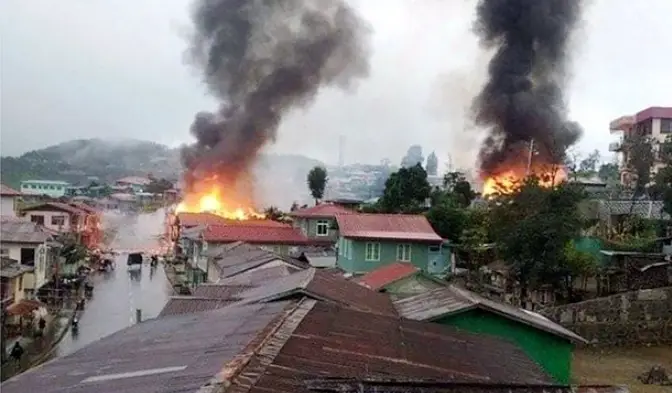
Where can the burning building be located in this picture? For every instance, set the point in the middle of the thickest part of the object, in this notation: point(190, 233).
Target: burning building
point(522, 104)
point(260, 60)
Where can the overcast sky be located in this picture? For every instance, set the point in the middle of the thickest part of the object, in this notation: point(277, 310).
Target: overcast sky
point(113, 69)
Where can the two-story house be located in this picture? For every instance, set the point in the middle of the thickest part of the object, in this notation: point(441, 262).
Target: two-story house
point(78, 219)
point(8, 196)
point(56, 216)
point(369, 241)
point(31, 245)
point(319, 222)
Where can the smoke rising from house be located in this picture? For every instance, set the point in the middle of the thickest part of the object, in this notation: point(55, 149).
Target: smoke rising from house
point(523, 98)
point(261, 59)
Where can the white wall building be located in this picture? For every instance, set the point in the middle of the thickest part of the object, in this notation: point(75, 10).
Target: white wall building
point(8, 196)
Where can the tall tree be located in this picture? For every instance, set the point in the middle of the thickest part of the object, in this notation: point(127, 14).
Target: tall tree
point(662, 187)
point(432, 164)
point(532, 227)
point(639, 160)
point(609, 172)
point(317, 182)
point(406, 191)
point(456, 184)
point(413, 157)
point(588, 166)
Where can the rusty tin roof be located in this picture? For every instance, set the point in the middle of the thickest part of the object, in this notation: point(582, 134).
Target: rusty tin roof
point(178, 305)
point(183, 353)
point(324, 286)
point(319, 340)
point(441, 302)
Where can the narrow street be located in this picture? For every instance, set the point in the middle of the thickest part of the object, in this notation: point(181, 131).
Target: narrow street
point(116, 297)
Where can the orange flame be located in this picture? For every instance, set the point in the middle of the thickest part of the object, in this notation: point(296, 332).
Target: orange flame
point(506, 181)
point(214, 202)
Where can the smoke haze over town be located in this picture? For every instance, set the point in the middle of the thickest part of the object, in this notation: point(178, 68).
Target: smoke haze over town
point(426, 67)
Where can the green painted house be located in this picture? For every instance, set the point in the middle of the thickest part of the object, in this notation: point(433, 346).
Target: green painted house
point(544, 341)
point(369, 241)
point(318, 222)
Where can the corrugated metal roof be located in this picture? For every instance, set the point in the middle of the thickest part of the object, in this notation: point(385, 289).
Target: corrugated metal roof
point(257, 277)
point(8, 191)
point(319, 340)
point(442, 302)
point(325, 210)
point(178, 305)
point(58, 206)
point(386, 275)
point(321, 285)
point(254, 234)
point(219, 291)
point(23, 232)
point(387, 226)
point(233, 259)
point(398, 385)
point(10, 268)
point(166, 355)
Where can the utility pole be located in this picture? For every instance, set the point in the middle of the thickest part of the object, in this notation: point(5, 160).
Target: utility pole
point(529, 158)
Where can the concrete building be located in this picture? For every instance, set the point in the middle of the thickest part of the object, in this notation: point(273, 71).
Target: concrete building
point(8, 196)
point(654, 122)
point(50, 188)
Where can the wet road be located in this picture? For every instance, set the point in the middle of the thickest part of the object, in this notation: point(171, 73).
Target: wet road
point(116, 297)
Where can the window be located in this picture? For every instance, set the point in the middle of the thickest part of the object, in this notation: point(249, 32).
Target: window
point(4, 252)
point(666, 126)
point(404, 252)
point(434, 248)
point(39, 220)
point(322, 228)
point(372, 252)
point(58, 220)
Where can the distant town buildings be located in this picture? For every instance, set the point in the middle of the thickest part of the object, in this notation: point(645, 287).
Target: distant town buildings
point(50, 188)
point(654, 122)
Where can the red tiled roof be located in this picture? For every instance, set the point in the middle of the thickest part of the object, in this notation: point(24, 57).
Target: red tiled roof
point(196, 219)
point(385, 275)
point(57, 206)
point(387, 226)
point(8, 191)
point(323, 210)
point(254, 234)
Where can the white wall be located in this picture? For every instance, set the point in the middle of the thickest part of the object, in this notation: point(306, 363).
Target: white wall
point(7, 206)
point(48, 215)
point(39, 275)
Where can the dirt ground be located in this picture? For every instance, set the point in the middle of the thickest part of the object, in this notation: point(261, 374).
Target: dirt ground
point(622, 366)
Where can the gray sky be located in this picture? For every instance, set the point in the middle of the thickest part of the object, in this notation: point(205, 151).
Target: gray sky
point(100, 68)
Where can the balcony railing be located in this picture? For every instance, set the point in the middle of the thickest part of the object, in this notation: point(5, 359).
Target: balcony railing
point(615, 146)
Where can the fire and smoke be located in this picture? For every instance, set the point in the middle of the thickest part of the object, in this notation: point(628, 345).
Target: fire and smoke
point(261, 59)
point(523, 99)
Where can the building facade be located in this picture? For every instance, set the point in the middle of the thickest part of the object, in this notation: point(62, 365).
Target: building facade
point(50, 188)
point(9, 197)
point(370, 241)
point(654, 122)
point(319, 222)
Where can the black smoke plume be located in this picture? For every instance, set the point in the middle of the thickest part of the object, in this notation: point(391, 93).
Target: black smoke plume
point(523, 99)
point(261, 59)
